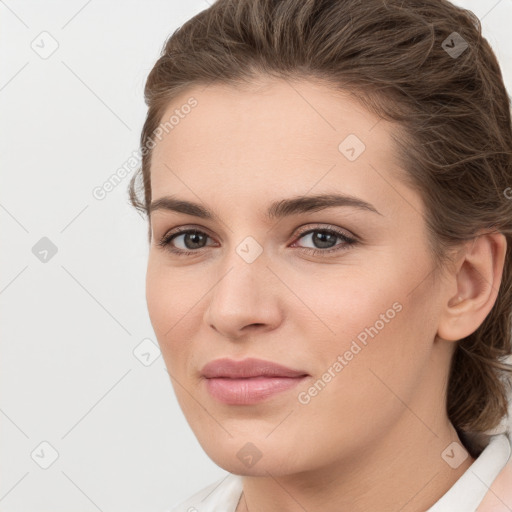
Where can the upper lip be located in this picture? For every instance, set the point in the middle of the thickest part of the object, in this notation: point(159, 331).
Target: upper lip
point(247, 368)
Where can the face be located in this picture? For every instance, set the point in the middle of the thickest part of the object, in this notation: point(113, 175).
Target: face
point(340, 293)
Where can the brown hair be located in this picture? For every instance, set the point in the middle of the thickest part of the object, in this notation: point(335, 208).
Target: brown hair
point(403, 61)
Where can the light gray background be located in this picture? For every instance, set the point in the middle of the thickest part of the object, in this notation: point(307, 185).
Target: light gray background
point(69, 376)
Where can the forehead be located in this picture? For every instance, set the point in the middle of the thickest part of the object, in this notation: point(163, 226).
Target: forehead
point(274, 137)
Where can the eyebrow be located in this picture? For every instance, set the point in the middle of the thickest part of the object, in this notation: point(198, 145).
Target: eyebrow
point(277, 210)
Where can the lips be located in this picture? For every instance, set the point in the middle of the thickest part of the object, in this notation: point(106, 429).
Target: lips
point(248, 381)
point(247, 368)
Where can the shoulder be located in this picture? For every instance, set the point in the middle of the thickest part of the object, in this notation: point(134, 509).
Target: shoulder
point(223, 492)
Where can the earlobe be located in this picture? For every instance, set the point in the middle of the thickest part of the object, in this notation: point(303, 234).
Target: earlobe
point(477, 280)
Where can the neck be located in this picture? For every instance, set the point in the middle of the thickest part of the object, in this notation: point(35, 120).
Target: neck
point(403, 471)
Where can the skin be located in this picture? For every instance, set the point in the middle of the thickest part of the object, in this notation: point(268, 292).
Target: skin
point(372, 438)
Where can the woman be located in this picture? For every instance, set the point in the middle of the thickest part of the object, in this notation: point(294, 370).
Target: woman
point(327, 186)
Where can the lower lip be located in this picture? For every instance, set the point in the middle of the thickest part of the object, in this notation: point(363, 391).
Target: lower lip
point(249, 391)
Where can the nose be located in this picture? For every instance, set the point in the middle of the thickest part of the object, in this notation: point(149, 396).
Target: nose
point(244, 298)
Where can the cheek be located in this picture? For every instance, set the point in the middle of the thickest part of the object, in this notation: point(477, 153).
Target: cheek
point(158, 299)
point(362, 395)
point(373, 337)
point(170, 302)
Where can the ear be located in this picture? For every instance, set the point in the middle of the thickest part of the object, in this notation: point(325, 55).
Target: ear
point(477, 278)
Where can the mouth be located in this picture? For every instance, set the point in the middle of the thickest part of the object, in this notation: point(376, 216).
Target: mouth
point(249, 381)
point(251, 390)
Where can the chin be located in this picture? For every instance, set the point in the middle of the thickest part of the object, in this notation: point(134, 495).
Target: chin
point(248, 455)
point(273, 465)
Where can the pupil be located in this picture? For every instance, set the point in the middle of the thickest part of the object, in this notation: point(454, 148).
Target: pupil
point(194, 236)
point(321, 237)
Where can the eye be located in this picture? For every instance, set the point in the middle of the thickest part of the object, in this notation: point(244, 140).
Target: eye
point(192, 239)
point(323, 237)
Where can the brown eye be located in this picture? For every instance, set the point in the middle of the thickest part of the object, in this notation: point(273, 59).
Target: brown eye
point(324, 240)
point(192, 239)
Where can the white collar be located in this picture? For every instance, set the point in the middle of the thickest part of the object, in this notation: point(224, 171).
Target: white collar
point(470, 489)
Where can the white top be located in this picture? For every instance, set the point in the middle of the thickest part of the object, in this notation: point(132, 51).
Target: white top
point(464, 496)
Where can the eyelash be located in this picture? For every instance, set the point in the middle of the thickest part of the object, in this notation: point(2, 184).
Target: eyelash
point(165, 242)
